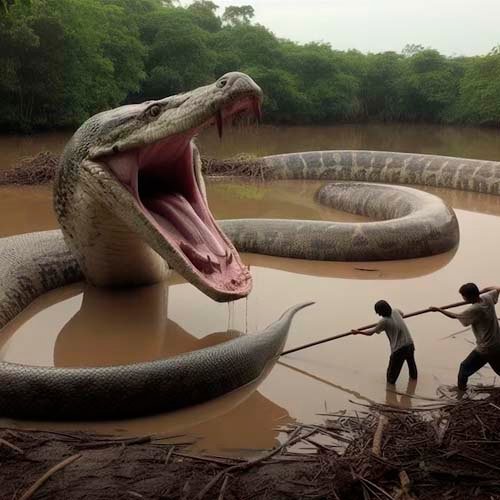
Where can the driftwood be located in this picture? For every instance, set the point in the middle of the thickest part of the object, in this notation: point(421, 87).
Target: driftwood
point(242, 165)
point(4, 442)
point(41, 169)
point(449, 451)
point(377, 438)
point(31, 491)
point(34, 170)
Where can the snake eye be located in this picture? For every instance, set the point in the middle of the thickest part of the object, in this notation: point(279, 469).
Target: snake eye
point(221, 83)
point(154, 111)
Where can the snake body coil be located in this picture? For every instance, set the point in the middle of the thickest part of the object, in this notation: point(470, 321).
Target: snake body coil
point(131, 202)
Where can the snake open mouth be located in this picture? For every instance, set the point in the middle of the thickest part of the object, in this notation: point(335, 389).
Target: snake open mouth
point(163, 179)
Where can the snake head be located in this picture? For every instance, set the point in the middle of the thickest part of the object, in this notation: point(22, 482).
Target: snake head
point(139, 163)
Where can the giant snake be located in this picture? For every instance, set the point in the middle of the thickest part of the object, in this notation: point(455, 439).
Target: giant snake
point(131, 203)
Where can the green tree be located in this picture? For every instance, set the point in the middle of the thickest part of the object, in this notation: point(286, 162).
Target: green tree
point(76, 57)
point(283, 102)
point(382, 86)
point(16, 38)
point(234, 15)
point(430, 86)
point(479, 101)
point(205, 15)
point(63, 60)
point(410, 49)
point(103, 56)
point(179, 57)
point(247, 45)
point(324, 79)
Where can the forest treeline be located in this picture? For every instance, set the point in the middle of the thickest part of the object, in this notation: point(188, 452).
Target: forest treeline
point(64, 60)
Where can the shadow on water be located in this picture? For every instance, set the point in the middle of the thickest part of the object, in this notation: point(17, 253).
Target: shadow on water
point(386, 270)
point(119, 327)
point(69, 328)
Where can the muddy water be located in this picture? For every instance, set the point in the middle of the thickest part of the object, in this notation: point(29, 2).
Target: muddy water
point(80, 326)
point(83, 326)
point(467, 142)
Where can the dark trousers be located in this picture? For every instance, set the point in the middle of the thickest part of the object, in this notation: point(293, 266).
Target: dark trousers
point(396, 362)
point(474, 362)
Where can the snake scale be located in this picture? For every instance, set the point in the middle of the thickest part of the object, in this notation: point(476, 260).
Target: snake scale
point(131, 202)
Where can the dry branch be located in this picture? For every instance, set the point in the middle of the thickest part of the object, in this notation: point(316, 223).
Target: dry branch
point(377, 438)
point(451, 452)
point(10, 445)
point(32, 490)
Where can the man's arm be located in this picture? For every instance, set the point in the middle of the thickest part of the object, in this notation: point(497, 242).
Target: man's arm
point(466, 317)
point(446, 313)
point(492, 292)
point(368, 332)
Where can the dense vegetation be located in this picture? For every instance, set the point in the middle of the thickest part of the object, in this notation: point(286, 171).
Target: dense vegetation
point(63, 60)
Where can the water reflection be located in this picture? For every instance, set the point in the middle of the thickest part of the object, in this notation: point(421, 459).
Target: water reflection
point(465, 142)
point(67, 327)
point(387, 270)
point(241, 423)
point(401, 399)
point(128, 326)
point(357, 395)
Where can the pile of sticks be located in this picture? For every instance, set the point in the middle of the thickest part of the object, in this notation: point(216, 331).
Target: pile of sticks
point(242, 165)
point(443, 450)
point(447, 449)
point(33, 170)
point(41, 168)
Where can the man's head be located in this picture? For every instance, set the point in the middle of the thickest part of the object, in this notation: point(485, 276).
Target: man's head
point(382, 308)
point(469, 292)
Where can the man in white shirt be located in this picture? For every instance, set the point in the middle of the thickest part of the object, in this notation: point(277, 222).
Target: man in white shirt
point(481, 315)
point(402, 347)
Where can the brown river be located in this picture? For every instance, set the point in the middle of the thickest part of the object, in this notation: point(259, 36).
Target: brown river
point(83, 326)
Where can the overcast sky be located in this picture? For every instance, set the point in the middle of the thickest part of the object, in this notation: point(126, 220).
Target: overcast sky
point(454, 27)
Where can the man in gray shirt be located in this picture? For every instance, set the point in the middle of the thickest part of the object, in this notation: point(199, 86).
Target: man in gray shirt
point(481, 315)
point(402, 347)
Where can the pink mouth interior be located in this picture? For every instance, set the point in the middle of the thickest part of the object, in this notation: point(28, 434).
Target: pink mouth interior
point(162, 179)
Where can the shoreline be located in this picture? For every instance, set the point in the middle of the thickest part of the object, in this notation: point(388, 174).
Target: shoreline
point(446, 449)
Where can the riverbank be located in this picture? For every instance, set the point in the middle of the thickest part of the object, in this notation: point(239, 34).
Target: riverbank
point(447, 449)
point(465, 142)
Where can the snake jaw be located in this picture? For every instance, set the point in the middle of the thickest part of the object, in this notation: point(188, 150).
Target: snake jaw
point(171, 198)
point(163, 182)
point(130, 197)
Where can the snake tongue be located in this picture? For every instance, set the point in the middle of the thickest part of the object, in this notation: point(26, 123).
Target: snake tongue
point(185, 224)
point(161, 177)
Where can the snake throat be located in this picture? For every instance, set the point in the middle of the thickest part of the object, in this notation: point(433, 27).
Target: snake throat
point(162, 178)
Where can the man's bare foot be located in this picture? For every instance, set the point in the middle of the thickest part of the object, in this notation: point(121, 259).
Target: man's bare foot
point(459, 391)
point(452, 392)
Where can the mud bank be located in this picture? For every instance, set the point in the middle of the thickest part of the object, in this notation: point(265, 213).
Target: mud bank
point(446, 449)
